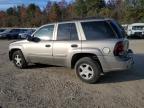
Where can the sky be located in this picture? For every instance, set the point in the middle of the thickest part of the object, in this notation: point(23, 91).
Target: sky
point(5, 4)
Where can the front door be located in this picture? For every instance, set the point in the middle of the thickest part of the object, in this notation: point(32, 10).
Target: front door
point(41, 51)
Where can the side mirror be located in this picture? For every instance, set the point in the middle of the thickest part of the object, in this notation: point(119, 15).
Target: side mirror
point(28, 36)
point(33, 39)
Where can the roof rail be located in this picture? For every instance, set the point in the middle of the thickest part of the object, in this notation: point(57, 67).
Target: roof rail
point(85, 18)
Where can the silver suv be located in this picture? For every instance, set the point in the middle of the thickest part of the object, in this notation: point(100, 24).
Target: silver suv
point(91, 47)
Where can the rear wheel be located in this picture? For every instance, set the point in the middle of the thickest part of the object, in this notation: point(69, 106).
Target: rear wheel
point(19, 60)
point(88, 70)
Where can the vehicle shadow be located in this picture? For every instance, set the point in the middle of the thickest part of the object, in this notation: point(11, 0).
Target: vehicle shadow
point(135, 73)
point(38, 65)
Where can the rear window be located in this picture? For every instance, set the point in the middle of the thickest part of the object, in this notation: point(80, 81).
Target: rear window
point(95, 30)
point(137, 27)
point(118, 29)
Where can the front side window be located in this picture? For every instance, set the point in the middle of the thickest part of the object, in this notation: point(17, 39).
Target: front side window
point(45, 33)
point(96, 30)
point(67, 32)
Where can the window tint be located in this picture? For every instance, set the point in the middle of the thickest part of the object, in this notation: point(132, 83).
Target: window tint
point(45, 33)
point(67, 32)
point(15, 30)
point(118, 29)
point(97, 30)
point(137, 27)
point(23, 30)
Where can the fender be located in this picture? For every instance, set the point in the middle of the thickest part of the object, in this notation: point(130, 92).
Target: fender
point(15, 47)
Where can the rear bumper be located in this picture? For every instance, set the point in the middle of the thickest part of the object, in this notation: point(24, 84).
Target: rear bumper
point(117, 63)
point(125, 63)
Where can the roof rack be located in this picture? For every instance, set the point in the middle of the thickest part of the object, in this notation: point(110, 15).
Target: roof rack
point(85, 18)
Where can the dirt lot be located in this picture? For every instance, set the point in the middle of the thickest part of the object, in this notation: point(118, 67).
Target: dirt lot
point(56, 87)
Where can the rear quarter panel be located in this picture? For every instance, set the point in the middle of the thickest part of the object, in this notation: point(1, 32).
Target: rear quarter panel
point(103, 49)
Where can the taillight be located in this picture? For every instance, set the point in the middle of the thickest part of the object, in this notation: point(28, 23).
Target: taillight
point(119, 49)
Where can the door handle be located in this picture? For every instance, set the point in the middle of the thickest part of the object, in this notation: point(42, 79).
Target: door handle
point(74, 45)
point(47, 45)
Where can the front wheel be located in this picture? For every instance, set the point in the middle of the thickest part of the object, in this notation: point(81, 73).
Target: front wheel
point(19, 60)
point(88, 70)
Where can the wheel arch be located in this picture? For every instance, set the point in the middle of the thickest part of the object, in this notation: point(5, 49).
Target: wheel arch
point(78, 56)
point(12, 51)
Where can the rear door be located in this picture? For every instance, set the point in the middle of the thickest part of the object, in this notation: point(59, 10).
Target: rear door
point(67, 41)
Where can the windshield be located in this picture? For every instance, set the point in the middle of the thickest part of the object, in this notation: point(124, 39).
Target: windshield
point(138, 28)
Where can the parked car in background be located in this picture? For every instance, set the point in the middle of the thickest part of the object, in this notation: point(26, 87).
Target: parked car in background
point(3, 34)
point(136, 30)
point(27, 33)
point(2, 30)
point(12, 33)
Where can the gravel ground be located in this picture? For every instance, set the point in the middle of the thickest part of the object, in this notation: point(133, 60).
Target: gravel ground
point(42, 86)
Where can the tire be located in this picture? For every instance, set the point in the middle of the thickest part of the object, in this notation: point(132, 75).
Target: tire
point(88, 70)
point(19, 60)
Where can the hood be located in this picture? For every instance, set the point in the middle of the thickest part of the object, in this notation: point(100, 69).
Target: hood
point(19, 42)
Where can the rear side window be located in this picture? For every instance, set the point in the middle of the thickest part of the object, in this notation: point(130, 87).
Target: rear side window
point(95, 30)
point(67, 32)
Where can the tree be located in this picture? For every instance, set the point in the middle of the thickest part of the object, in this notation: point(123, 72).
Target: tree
point(89, 7)
point(34, 13)
point(106, 12)
point(2, 18)
point(2, 14)
point(125, 11)
point(71, 12)
point(32, 8)
point(81, 8)
point(55, 13)
point(10, 11)
point(48, 6)
point(63, 5)
point(94, 7)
